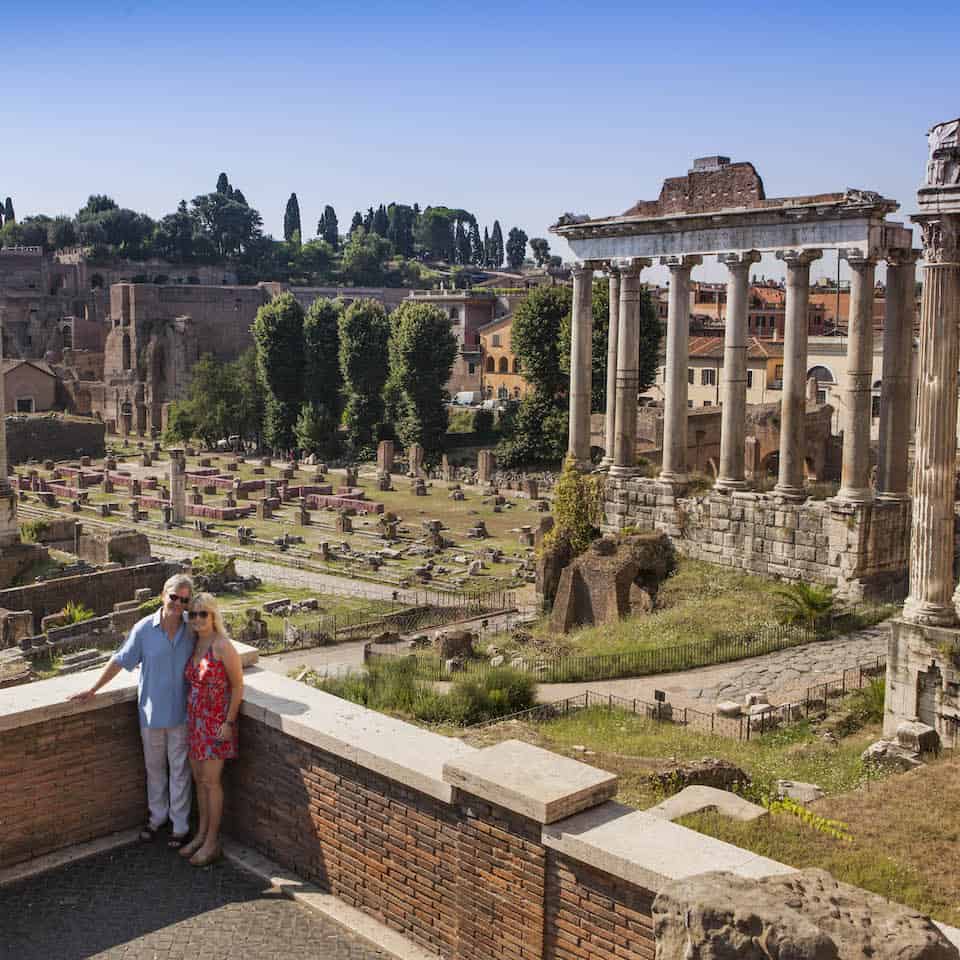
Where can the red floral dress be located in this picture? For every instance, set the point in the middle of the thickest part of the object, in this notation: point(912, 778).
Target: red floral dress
point(207, 703)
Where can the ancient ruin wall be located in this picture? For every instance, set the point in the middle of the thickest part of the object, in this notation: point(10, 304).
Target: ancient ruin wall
point(861, 549)
point(53, 438)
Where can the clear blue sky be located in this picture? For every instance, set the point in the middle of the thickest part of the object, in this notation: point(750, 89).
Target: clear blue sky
point(518, 112)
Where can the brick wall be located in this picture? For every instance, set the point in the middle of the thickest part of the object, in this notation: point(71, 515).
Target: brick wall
point(860, 549)
point(51, 438)
point(468, 880)
point(69, 780)
point(99, 591)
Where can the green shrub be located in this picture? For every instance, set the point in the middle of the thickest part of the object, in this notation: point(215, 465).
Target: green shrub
point(806, 602)
point(210, 564)
point(483, 422)
point(76, 612)
point(577, 507)
point(150, 606)
point(33, 530)
point(461, 421)
point(496, 693)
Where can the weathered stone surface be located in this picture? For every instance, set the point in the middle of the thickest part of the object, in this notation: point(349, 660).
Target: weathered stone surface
point(889, 754)
point(455, 644)
point(799, 791)
point(918, 737)
point(611, 580)
point(698, 798)
point(708, 772)
point(805, 915)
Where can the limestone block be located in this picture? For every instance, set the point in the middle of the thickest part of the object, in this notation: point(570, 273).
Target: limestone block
point(918, 737)
point(799, 791)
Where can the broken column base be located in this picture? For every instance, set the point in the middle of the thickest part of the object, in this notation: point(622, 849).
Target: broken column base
point(923, 679)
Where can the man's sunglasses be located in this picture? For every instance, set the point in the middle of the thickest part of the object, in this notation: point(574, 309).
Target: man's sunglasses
point(202, 614)
point(178, 599)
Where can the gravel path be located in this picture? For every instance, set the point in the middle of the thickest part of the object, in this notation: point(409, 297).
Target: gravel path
point(782, 675)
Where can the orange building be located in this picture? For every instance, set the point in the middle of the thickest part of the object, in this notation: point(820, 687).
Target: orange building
point(500, 377)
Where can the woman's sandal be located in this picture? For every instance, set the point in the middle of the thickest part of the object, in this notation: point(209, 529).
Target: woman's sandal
point(177, 840)
point(148, 834)
point(199, 861)
point(189, 849)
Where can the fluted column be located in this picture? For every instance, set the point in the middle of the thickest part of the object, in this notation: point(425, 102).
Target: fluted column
point(895, 394)
point(581, 343)
point(793, 405)
point(628, 355)
point(674, 464)
point(934, 476)
point(613, 334)
point(858, 381)
point(734, 387)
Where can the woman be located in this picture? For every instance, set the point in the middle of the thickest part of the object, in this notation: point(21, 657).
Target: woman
point(214, 675)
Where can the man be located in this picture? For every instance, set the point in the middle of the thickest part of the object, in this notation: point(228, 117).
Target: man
point(160, 644)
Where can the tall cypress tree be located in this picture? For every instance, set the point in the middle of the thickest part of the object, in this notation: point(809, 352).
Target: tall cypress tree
point(278, 335)
point(357, 221)
point(380, 221)
point(364, 364)
point(291, 220)
point(476, 247)
point(487, 255)
point(368, 220)
point(461, 244)
point(496, 245)
point(223, 184)
point(328, 229)
point(8, 214)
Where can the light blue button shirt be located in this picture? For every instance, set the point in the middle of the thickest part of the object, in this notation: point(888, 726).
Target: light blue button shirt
point(162, 689)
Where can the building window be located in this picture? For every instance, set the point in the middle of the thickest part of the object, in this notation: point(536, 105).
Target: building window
point(471, 368)
point(504, 365)
point(516, 364)
point(491, 365)
point(503, 393)
point(690, 404)
point(24, 404)
point(749, 379)
point(708, 403)
point(496, 339)
point(875, 407)
point(516, 393)
point(689, 374)
point(708, 378)
point(778, 372)
point(821, 397)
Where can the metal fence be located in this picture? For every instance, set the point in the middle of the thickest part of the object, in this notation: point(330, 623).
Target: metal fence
point(720, 648)
point(815, 700)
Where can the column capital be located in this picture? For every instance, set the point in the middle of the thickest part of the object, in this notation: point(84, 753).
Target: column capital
point(902, 257)
point(685, 262)
point(799, 258)
point(633, 266)
point(856, 258)
point(739, 261)
point(941, 237)
point(580, 269)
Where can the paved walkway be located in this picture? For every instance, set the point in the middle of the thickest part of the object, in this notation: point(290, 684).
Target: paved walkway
point(782, 675)
point(144, 903)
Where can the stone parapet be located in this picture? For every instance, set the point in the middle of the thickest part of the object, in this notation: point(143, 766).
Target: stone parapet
point(859, 548)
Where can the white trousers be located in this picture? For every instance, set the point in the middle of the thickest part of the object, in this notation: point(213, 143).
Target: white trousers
point(168, 776)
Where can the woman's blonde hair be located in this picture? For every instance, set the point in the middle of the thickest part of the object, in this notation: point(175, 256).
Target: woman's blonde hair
point(207, 601)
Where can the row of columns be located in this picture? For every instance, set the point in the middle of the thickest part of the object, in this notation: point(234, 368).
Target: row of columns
point(620, 421)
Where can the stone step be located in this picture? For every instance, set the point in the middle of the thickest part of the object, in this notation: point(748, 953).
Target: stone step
point(80, 656)
point(85, 665)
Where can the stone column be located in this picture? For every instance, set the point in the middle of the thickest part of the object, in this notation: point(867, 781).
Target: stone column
point(613, 332)
point(793, 405)
point(674, 464)
point(178, 485)
point(581, 373)
point(934, 476)
point(858, 381)
point(896, 399)
point(628, 356)
point(734, 393)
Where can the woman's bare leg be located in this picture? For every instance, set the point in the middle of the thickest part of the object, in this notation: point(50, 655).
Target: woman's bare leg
point(197, 842)
point(210, 774)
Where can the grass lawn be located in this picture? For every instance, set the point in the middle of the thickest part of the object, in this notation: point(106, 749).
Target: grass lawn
point(904, 827)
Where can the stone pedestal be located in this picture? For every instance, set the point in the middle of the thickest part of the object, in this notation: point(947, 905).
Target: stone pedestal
point(178, 485)
point(790, 483)
point(385, 456)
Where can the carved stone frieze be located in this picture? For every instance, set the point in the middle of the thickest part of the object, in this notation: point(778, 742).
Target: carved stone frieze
point(943, 163)
point(941, 238)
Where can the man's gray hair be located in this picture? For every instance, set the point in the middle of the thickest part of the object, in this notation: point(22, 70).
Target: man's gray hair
point(177, 581)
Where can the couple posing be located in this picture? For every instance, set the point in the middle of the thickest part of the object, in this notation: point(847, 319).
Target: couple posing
point(189, 695)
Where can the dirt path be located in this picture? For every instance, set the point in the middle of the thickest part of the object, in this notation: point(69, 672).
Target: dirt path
point(781, 676)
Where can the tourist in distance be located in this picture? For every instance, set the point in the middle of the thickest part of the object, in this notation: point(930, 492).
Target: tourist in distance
point(214, 675)
point(161, 645)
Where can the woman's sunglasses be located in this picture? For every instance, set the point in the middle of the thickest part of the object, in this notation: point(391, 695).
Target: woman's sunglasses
point(202, 614)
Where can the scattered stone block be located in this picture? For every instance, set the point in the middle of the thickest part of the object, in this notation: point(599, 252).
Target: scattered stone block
point(799, 791)
point(698, 798)
point(918, 737)
point(891, 756)
point(729, 708)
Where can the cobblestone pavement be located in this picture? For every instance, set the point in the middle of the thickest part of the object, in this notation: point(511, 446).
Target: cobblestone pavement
point(782, 675)
point(145, 903)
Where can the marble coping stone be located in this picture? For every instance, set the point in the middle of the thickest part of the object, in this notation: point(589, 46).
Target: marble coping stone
point(695, 798)
point(531, 781)
point(48, 699)
point(647, 850)
point(393, 748)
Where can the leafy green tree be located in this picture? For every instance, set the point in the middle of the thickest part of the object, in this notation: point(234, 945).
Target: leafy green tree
point(435, 233)
point(364, 256)
point(400, 230)
point(577, 507)
point(541, 250)
point(463, 244)
point(230, 226)
point(380, 221)
point(496, 246)
point(313, 261)
point(279, 338)
point(238, 197)
point(364, 356)
point(651, 332)
point(368, 220)
point(8, 215)
point(61, 233)
point(174, 235)
point(516, 248)
point(476, 245)
point(250, 402)
point(329, 229)
point(322, 380)
point(291, 221)
point(806, 602)
point(422, 351)
point(97, 204)
point(535, 433)
point(356, 222)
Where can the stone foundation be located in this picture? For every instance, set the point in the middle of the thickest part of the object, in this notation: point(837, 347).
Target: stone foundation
point(923, 679)
point(861, 549)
